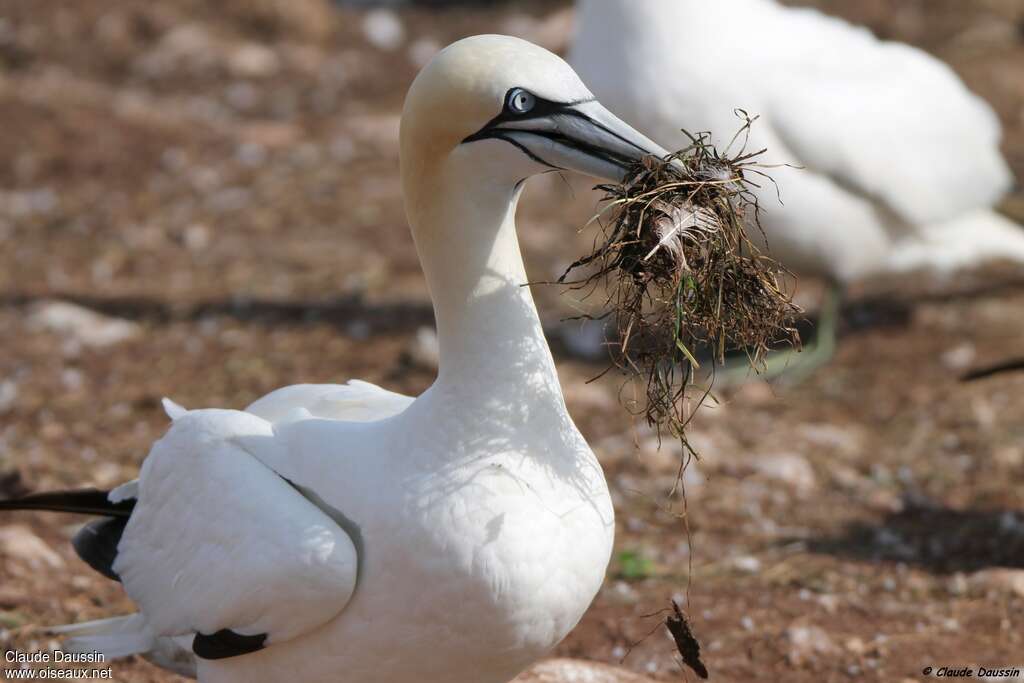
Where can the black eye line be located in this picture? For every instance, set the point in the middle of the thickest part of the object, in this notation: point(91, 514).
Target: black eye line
point(526, 150)
point(542, 107)
point(547, 108)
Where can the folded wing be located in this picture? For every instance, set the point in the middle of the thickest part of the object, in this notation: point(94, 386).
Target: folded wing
point(355, 401)
point(220, 545)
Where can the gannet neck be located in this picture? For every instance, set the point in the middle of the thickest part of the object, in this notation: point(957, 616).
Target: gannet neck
point(489, 334)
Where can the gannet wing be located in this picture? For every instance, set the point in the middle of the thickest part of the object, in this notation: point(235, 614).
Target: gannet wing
point(356, 401)
point(220, 545)
point(884, 119)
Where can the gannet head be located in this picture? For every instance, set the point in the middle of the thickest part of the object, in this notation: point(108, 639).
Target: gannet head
point(509, 109)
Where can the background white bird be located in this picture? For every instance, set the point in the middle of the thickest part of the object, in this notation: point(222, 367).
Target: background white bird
point(899, 163)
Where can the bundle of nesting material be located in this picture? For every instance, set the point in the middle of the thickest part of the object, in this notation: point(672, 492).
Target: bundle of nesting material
point(680, 270)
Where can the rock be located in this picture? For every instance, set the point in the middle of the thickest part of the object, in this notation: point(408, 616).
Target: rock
point(18, 542)
point(28, 203)
point(8, 395)
point(188, 47)
point(790, 469)
point(845, 440)
point(196, 237)
point(422, 51)
point(662, 455)
point(578, 671)
point(856, 645)
point(253, 60)
point(383, 29)
point(747, 564)
point(80, 324)
point(1009, 581)
point(957, 584)
point(807, 643)
point(829, 602)
point(623, 593)
point(425, 350)
point(1009, 456)
point(959, 357)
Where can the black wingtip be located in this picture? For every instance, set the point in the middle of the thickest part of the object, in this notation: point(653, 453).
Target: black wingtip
point(226, 643)
point(82, 501)
point(96, 543)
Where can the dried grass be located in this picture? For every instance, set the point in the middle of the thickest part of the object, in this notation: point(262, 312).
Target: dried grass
point(680, 271)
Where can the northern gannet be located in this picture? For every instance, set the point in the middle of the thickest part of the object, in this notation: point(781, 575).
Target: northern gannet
point(899, 163)
point(347, 533)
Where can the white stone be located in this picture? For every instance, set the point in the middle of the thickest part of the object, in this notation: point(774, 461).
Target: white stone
point(425, 349)
point(578, 671)
point(197, 237)
point(8, 395)
point(383, 29)
point(81, 325)
point(959, 357)
point(747, 563)
point(18, 542)
point(253, 60)
point(422, 51)
point(1010, 581)
point(790, 469)
point(807, 643)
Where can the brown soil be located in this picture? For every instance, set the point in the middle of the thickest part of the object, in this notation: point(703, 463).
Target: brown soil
point(244, 210)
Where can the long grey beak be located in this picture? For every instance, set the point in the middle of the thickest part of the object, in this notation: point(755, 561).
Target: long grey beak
point(578, 136)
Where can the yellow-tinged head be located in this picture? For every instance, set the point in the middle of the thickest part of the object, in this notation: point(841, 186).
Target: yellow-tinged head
point(507, 109)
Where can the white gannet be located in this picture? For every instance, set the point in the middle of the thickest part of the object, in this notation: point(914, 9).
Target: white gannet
point(899, 162)
point(347, 533)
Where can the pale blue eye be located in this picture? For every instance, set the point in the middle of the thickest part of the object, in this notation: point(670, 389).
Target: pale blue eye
point(520, 101)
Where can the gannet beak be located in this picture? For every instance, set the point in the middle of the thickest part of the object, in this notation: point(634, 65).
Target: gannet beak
point(578, 136)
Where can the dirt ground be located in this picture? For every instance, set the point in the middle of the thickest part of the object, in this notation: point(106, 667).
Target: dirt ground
point(220, 179)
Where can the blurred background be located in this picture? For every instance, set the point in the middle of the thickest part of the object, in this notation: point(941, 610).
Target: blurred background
point(200, 200)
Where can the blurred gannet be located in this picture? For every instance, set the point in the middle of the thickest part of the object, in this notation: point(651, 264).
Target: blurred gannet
point(899, 162)
point(349, 533)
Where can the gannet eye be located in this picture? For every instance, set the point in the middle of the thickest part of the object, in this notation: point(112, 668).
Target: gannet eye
point(520, 101)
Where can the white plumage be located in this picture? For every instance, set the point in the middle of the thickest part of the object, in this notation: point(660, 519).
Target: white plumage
point(345, 532)
point(900, 162)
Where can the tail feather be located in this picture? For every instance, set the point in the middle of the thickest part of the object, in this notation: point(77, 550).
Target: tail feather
point(963, 242)
point(126, 636)
point(96, 542)
point(116, 637)
point(82, 501)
